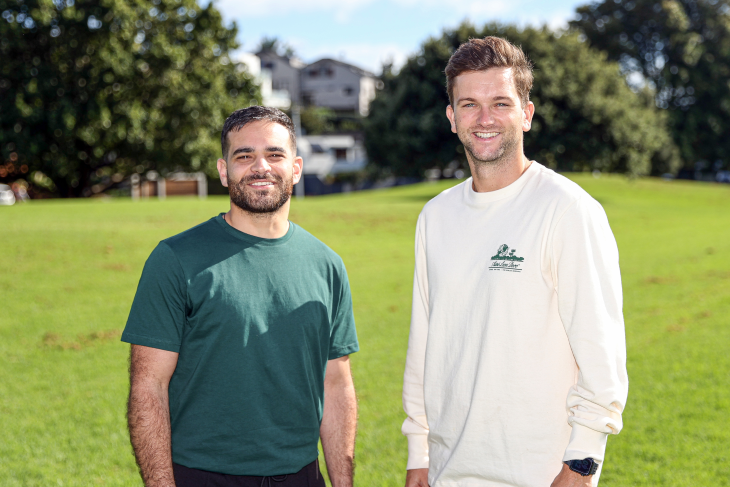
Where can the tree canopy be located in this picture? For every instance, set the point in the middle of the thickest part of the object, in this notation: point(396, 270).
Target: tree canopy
point(586, 116)
point(682, 49)
point(277, 46)
point(94, 90)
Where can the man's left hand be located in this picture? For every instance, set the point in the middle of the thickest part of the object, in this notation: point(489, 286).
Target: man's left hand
point(568, 478)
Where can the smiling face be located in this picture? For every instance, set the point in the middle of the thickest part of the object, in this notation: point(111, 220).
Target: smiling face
point(261, 167)
point(488, 116)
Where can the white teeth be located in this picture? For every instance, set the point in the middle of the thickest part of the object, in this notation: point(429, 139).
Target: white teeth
point(262, 184)
point(486, 135)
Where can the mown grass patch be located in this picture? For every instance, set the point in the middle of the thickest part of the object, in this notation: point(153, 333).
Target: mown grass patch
point(69, 269)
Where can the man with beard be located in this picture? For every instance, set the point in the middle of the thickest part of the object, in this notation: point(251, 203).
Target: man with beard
point(516, 366)
point(241, 330)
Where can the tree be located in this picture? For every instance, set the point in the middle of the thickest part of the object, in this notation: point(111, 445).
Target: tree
point(682, 49)
point(92, 91)
point(586, 116)
point(317, 120)
point(275, 45)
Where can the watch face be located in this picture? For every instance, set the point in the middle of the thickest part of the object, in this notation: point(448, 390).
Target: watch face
point(584, 467)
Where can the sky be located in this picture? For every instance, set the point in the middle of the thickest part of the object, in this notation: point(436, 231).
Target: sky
point(368, 33)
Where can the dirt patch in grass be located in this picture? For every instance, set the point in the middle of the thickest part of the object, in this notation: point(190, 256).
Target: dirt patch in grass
point(659, 280)
point(54, 341)
point(116, 267)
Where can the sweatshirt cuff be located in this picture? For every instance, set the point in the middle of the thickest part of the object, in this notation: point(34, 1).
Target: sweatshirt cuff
point(585, 443)
point(417, 451)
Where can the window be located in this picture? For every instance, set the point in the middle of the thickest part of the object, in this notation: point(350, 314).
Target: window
point(340, 153)
point(313, 73)
point(348, 91)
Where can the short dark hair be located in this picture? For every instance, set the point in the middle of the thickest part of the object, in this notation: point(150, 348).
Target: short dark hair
point(490, 52)
point(242, 117)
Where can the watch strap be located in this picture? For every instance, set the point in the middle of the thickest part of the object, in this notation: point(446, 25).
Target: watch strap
point(584, 467)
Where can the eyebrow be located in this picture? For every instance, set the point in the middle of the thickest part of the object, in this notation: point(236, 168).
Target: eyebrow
point(248, 150)
point(496, 98)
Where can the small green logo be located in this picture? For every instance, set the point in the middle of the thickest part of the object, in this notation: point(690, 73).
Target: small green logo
point(506, 260)
point(503, 255)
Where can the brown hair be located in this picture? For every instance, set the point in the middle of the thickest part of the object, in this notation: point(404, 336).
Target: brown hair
point(238, 119)
point(490, 52)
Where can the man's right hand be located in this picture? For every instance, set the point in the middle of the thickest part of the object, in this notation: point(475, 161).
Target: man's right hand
point(418, 477)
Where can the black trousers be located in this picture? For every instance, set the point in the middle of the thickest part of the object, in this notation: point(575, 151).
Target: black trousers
point(309, 476)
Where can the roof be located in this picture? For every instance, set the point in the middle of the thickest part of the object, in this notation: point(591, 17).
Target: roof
point(351, 67)
point(294, 62)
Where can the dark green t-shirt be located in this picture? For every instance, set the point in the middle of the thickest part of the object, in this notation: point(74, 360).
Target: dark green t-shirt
point(254, 321)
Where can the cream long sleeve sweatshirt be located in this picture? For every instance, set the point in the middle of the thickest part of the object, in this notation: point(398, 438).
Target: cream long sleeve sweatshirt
point(516, 357)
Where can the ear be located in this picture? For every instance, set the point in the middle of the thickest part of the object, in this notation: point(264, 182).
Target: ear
point(528, 112)
point(451, 116)
point(297, 168)
point(222, 166)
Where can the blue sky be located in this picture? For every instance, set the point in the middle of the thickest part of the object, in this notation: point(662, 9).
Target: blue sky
point(368, 32)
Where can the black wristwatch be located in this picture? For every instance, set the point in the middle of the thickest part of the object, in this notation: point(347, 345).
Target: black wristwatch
point(585, 467)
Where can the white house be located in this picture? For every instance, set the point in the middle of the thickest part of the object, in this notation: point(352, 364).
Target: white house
point(272, 96)
point(325, 155)
point(285, 72)
point(338, 85)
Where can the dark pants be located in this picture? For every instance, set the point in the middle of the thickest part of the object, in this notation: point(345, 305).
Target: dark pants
point(309, 476)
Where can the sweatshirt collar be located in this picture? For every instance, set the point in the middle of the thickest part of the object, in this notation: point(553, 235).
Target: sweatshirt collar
point(480, 200)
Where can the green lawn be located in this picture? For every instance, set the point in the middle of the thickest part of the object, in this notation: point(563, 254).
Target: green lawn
point(69, 269)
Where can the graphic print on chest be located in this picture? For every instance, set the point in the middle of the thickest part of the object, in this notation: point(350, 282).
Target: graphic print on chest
point(506, 260)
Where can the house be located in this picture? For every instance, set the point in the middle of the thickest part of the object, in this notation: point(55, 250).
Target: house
point(328, 83)
point(325, 155)
point(284, 72)
point(338, 85)
point(272, 96)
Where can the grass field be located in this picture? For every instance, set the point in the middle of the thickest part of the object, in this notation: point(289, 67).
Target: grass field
point(69, 269)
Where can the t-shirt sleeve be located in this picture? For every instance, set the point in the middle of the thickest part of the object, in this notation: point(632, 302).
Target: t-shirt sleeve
point(158, 313)
point(343, 337)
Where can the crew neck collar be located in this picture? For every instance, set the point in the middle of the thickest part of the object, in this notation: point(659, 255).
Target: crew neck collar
point(474, 198)
point(251, 238)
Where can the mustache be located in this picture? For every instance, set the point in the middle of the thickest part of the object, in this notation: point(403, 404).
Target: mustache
point(259, 177)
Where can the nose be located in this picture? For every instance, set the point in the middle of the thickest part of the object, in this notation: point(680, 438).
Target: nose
point(485, 116)
point(261, 166)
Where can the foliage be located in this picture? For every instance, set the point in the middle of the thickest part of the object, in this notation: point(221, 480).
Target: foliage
point(64, 386)
point(277, 46)
point(94, 90)
point(586, 117)
point(317, 120)
point(682, 49)
point(321, 120)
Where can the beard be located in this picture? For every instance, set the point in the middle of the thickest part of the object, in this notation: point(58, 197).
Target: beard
point(253, 201)
point(510, 143)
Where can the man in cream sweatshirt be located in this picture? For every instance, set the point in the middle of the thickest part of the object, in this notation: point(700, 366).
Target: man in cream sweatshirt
point(516, 365)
